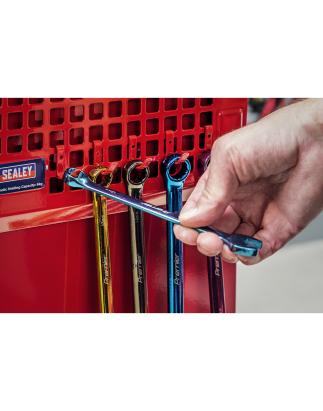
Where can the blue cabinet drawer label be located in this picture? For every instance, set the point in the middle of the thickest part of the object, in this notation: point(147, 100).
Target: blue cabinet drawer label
point(22, 176)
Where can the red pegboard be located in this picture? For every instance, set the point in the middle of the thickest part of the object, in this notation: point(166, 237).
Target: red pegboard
point(40, 127)
point(84, 132)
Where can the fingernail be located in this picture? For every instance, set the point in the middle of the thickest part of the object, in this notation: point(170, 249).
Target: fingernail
point(188, 214)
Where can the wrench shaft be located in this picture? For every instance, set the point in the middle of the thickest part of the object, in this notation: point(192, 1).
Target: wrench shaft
point(216, 287)
point(174, 256)
point(137, 236)
point(138, 260)
point(214, 264)
point(102, 247)
point(174, 188)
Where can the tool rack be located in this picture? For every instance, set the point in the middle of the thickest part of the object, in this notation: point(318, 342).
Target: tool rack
point(47, 248)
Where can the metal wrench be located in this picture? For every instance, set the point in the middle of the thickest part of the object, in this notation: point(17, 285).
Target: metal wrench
point(136, 222)
point(214, 264)
point(102, 242)
point(238, 243)
point(174, 187)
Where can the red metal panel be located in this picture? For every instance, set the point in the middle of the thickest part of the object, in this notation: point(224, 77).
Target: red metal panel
point(51, 267)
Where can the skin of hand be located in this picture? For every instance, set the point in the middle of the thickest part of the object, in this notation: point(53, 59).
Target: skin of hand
point(264, 180)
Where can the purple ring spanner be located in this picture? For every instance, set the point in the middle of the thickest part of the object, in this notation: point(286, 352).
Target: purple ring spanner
point(237, 243)
point(214, 264)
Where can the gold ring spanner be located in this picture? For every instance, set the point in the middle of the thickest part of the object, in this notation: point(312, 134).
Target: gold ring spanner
point(102, 241)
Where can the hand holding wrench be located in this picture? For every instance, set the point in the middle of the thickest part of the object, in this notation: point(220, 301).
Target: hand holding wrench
point(238, 243)
point(214, 264)
point(136, 221)
point(174, 187)
point(102, 242)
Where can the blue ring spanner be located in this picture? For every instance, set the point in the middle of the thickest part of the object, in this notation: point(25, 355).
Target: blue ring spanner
point(174, 188)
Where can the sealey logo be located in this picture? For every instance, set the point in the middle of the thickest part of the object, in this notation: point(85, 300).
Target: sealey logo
point(20, 172)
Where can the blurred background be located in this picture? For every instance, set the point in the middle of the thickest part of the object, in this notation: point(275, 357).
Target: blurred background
point(292, 279)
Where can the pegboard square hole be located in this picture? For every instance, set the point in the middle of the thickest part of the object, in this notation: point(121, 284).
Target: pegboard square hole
point(76, 158)
point(96, 111)
point(55, 100)
point(206, 119)
point(171, 103)
point(35, 118)
point(115, 109)
point(153, 169)
point(57, 116)
point(35, 141)
point(152, 105)
point(76, 136)
point(15, 101)
point(134, 107)
point(152, 126)
point(52, 162)
point(76, 113)
point(115, 153)
point(56, 138)
point(96, 133)
point(206, 101)
point(188, 143)
point(56, 185)
point(134, 128)
point(14, 144)
point(152, 148)
point(189, 102)
point(0, 102)
point(36, 100)
point(14, 121)
point(170, 123)
point(188, 121)
point(115, 131)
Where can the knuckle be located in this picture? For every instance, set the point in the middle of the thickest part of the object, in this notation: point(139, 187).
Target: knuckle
point(272, 244)
point(207, 195)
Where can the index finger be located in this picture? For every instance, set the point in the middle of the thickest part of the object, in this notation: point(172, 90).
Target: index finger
point(196, 194)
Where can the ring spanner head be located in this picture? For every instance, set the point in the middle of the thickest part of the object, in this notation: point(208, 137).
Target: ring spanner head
point(178, 178)
point(75, 178)
point(95, 172)
point(137, 184)
point(203, 161)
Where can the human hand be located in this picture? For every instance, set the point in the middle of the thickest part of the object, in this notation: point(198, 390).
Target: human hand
point(264, 180)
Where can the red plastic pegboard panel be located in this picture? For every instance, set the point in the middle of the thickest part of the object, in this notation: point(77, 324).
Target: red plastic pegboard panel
point(76, 132)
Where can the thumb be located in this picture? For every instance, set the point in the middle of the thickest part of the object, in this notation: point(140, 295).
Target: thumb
point(220, 186)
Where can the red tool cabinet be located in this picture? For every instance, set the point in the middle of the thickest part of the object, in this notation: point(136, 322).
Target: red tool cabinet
point(47, 245)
